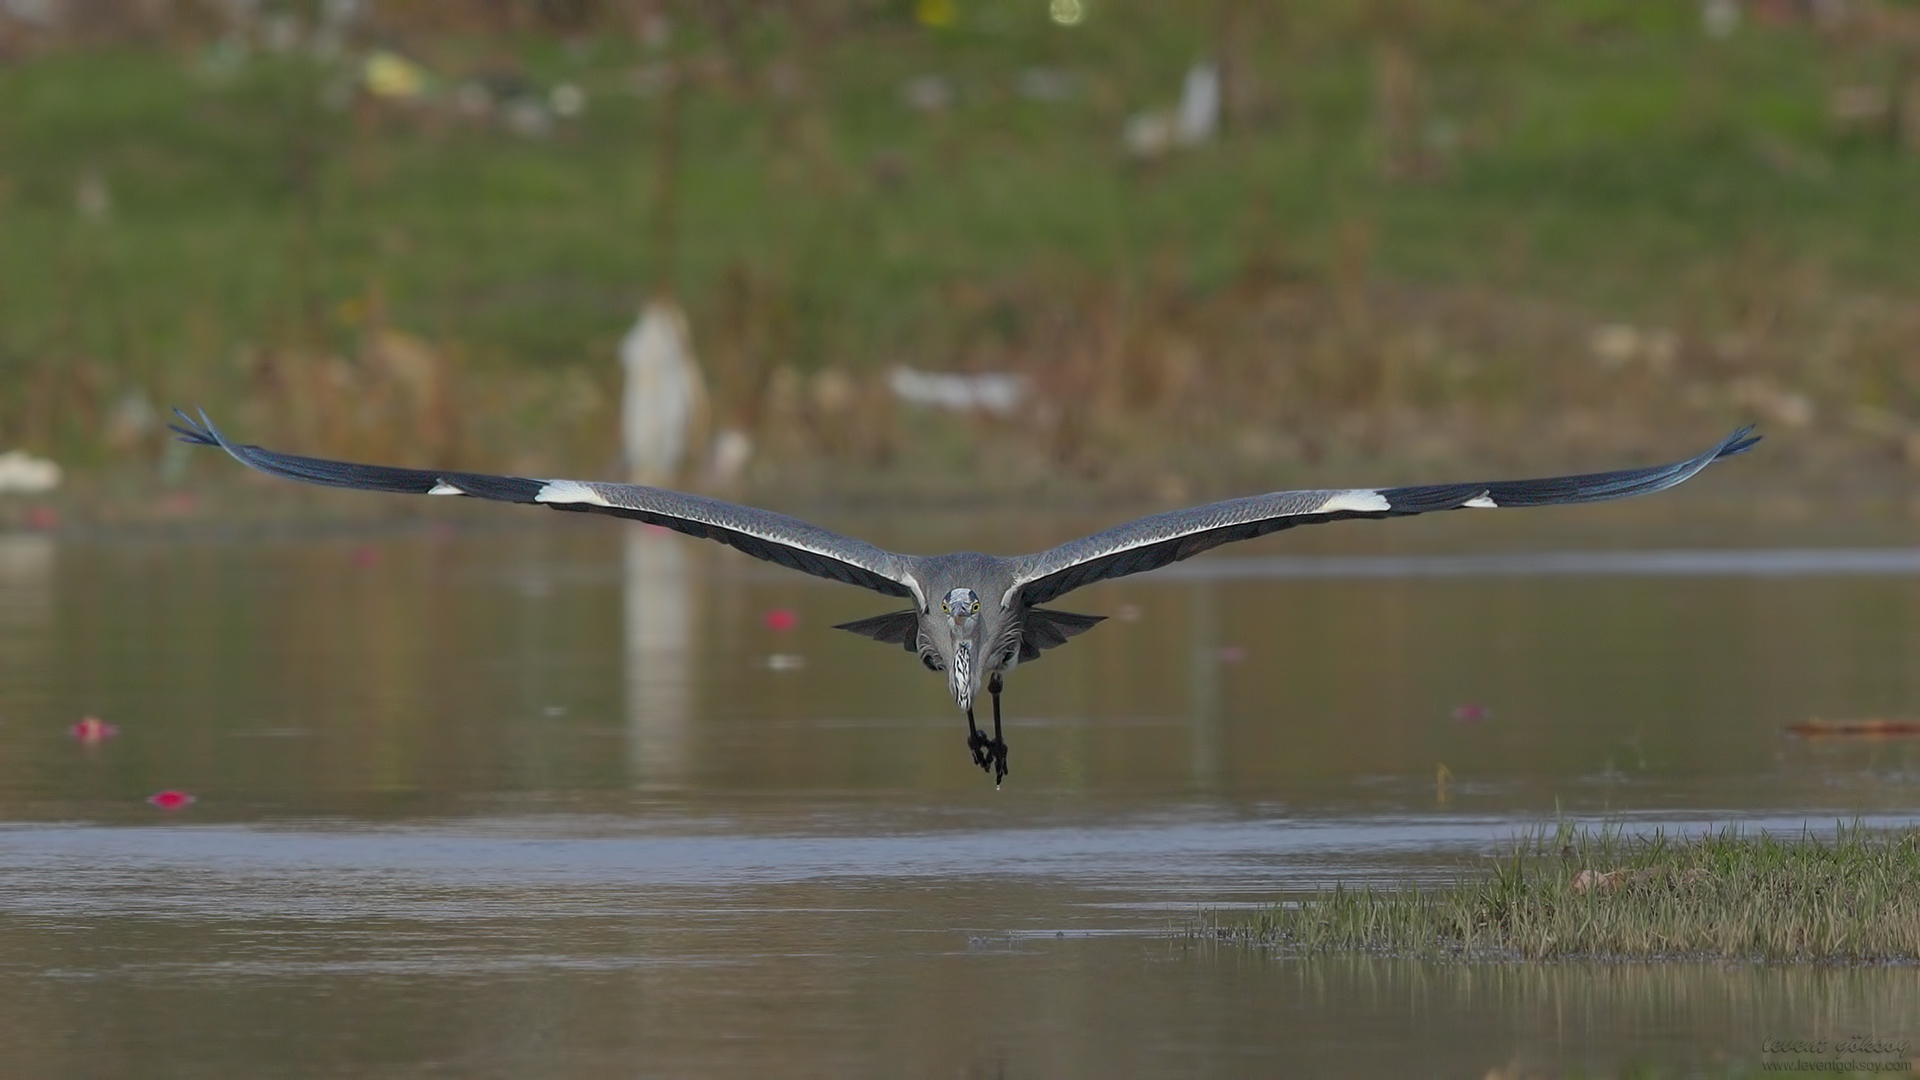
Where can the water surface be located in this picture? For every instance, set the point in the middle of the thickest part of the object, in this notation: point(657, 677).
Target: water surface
point(553, 797)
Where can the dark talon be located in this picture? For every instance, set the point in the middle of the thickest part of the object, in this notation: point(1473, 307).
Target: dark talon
point(978, 744)
point(982, 750)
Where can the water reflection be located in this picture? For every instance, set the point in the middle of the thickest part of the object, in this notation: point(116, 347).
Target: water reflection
point(1569, 1018)
point(657, 588)
point(26, 605)
point(26, 578)
point(1203, 680)
point(26, 572)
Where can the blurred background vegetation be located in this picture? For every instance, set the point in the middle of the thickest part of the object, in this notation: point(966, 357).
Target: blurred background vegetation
point(1426, 235)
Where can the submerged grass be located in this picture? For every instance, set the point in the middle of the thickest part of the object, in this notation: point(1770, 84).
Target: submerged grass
point(1852, 897)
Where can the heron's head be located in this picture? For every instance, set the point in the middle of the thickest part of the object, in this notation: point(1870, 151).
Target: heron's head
point(961, 609)
point(960, 617)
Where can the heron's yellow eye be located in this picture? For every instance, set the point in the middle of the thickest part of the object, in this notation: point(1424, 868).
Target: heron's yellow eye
point(976, 605)
point(946, 607)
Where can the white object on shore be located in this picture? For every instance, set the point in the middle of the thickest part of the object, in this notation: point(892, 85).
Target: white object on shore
point(1196, 120)
point(996, 393)
point(22, 472)
point(664, 393)
point(1199, 104)
point(1719, 18)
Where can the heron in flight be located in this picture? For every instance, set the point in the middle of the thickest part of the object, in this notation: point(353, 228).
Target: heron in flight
point(973, 616)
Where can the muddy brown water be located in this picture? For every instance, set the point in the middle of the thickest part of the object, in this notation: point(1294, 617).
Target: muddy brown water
point(558, 798)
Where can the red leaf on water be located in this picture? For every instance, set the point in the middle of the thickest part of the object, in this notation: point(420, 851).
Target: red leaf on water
point(366, 555)
point(781, 619)
point(1471, 712)
point(170, 799)
point(1856, 729)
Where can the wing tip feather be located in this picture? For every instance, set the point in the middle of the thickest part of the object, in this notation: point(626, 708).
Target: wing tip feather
point(1741, 441)
point(193, 432)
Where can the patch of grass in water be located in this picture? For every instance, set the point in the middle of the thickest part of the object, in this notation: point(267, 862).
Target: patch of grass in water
point(1853, 897)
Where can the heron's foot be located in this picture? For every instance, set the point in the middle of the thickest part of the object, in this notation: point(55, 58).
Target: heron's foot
point(989, 754)
point(981, 747)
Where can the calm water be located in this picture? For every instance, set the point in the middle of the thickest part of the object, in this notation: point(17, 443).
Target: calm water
point(554, 798)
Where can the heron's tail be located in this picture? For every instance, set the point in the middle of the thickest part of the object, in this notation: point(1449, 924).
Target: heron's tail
point(900, 628)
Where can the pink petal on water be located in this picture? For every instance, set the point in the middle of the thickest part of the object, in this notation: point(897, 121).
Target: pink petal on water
point(92, 729)
point(366, 555)
point(170, 799)
point(1232, 654)
point(781, 619)
point(1471, 712)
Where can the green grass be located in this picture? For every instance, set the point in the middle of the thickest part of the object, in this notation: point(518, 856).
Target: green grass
point(1853, 897)
point(1603, 159)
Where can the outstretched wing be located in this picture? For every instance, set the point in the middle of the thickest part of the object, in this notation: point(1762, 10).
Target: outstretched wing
point(760, 533)
point(1153, 542)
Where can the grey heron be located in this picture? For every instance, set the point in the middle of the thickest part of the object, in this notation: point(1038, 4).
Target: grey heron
point(973, 616)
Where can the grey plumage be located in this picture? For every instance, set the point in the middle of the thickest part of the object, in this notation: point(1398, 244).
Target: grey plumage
point(1003, 624)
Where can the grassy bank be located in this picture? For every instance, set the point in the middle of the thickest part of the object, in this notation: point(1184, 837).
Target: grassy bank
point(1438, 233)
point(1853, 897)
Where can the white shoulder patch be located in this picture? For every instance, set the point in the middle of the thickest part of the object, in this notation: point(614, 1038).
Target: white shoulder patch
point(569, 491)
point(1481, 502)
point(444, 488)
point(913, 586)
point(1359, 500)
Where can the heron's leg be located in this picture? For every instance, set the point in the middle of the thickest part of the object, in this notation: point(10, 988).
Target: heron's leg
point(978, 743)
point(998, 747)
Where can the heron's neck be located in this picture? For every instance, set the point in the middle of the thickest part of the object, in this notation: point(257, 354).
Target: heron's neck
point(960, 672)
